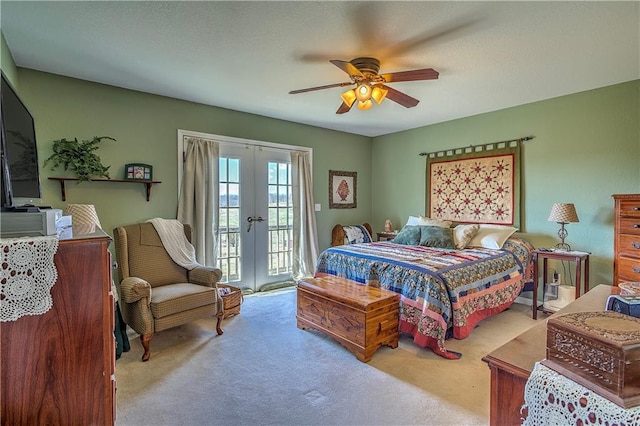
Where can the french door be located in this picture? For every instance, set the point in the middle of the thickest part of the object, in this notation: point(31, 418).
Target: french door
point(255, 228)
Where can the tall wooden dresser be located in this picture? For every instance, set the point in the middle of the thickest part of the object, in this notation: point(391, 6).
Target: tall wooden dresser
point(58, 368)
point(626, 256)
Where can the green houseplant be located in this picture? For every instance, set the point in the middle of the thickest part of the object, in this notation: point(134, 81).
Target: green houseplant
point(79, 157)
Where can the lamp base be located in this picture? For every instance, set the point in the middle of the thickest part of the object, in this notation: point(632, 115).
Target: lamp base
point(563, 247)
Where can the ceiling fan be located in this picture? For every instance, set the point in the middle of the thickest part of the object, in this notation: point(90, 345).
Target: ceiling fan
point(371, 85)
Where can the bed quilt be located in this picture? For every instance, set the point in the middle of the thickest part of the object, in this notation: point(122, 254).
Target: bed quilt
point(444, 292)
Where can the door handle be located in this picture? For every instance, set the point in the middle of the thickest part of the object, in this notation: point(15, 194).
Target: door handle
point(252, 219)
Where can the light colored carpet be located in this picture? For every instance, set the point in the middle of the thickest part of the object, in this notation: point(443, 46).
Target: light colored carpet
point(265, 371)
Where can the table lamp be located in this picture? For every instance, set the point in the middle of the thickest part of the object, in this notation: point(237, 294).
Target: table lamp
point(563, 213)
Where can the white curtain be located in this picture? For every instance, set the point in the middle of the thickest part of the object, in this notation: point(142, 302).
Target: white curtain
point(198, 204)
point(305, 235)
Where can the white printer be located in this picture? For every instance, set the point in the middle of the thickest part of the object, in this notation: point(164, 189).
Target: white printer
point(29, 224)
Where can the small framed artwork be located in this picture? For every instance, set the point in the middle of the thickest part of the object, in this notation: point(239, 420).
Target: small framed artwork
point(342, 189)
point(138, 172)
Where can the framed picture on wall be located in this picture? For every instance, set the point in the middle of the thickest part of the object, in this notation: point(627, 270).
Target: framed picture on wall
point(342, 189)
point(138, 172)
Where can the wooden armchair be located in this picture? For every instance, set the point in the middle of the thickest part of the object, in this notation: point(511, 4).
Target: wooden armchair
point(338, 235)
point(155, 292)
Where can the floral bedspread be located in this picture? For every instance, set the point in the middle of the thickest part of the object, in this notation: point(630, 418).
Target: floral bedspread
point(444, 292)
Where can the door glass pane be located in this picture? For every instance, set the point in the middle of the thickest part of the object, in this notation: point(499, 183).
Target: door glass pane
point(280, 219)
point(229, 259)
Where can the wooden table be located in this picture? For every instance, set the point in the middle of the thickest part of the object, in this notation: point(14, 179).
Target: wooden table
point(512, 363)
point(571, 256)
point(386, 235)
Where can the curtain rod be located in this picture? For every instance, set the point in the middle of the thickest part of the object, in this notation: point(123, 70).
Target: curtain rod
point(525, 138)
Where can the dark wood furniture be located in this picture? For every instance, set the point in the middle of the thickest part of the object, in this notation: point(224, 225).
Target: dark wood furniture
point(386, 235)
point(58, 368)
point(572, 256)
point(147, 183)
point(512, 363)
point(626, 255)
point(362, 318)
point(338, 234)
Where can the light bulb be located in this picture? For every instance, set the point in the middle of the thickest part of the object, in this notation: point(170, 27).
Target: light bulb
point(349, 97)
point(378, 94)
point(365, 105)
point(363, 92)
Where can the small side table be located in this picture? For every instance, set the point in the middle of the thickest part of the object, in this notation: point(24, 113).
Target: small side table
point(386, 235)
point(571, 256)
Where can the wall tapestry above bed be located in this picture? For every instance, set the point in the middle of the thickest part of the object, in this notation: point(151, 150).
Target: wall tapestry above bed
point(477, 184)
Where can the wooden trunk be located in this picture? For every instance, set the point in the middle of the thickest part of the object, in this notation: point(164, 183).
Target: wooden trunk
point(600, 351)
point(360, 317)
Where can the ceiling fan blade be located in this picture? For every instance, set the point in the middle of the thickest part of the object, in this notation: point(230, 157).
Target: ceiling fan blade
point(344, 108)
point(400, 98)
point(346, 67)
point(328, 86)
point(413, 75)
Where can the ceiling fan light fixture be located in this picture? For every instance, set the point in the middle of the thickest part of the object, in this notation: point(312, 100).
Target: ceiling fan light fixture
point(349, 97)
point(363, 92)
point(365, 105)
point(378, 94)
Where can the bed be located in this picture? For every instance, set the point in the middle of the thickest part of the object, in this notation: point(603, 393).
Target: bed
point(445, 292)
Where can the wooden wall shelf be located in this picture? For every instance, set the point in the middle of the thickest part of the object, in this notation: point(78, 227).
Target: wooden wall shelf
point(147, 183)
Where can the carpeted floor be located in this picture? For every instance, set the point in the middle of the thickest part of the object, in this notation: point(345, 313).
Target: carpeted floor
point(265, 371)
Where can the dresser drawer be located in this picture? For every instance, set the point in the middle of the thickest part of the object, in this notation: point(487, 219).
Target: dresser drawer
point(630, 208)
point(629, 245)
point(628, 269)
point(629, 225)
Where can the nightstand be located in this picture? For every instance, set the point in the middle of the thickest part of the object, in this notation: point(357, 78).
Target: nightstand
point(386, 235)
point(579, 257)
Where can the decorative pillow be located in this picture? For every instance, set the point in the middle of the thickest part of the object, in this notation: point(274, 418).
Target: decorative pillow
point(412, 221)
point(462, 234)
point(436, 236)
point(492, 236)
point(354, 234)
point(408, 235)
point(426, 221)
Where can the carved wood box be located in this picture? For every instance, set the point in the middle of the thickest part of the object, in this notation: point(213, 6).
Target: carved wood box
point(600, 351)
point(362, 318)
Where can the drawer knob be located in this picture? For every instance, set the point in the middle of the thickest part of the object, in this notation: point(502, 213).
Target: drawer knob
point(636, 209)
point(636, 269)
point(636, 225)
point(635, 245)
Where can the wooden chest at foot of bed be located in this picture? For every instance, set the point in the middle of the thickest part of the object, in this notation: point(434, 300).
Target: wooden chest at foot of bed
point(360, 317)
point(600, 351)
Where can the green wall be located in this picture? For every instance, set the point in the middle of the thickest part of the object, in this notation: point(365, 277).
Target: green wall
point(586, 148)
point(146, 126)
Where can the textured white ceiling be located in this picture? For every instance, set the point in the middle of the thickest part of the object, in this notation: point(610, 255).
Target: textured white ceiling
point(247, 56)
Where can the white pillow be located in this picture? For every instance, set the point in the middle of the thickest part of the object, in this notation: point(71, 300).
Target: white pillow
point(492, 236)
point(426, 221)
point(462, 234)
point(413, 221)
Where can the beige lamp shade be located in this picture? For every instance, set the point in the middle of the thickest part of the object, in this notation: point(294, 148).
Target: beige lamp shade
point(83, 214)
point(563, 213)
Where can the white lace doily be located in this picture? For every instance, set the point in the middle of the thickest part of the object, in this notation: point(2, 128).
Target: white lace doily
point(27, 274)
point(553, 399)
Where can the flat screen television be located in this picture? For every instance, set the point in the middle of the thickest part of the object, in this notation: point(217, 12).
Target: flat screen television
point(20, 171)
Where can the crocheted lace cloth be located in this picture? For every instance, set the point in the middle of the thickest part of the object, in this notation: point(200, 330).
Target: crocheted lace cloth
point(27, 274)
point(553, 399)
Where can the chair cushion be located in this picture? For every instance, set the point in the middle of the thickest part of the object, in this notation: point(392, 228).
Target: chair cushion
point(174, 298)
